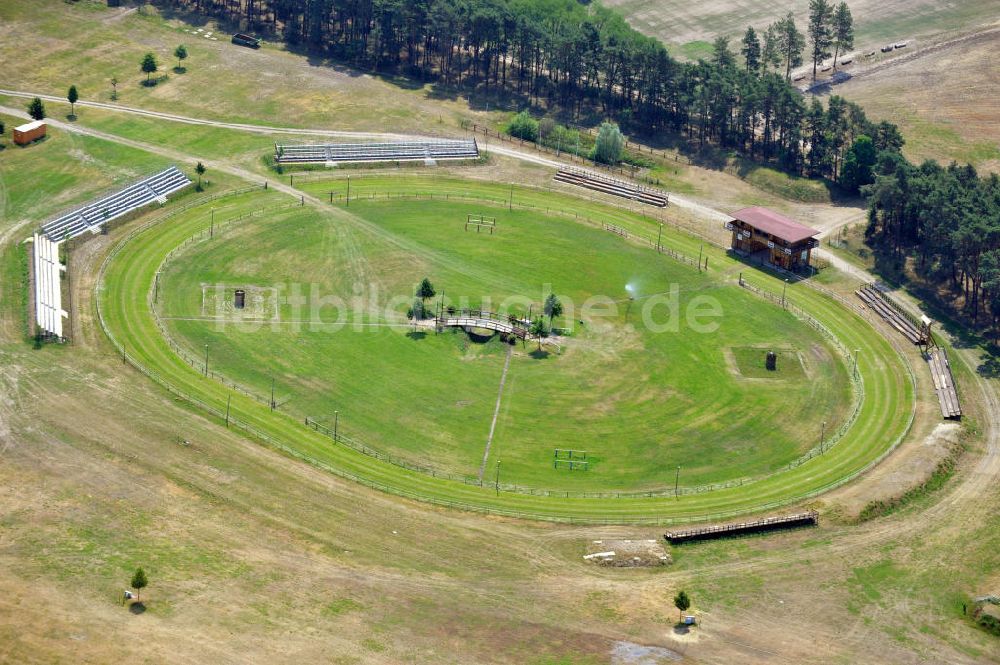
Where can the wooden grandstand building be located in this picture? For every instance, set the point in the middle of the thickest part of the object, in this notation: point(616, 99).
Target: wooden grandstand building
point(764, 235)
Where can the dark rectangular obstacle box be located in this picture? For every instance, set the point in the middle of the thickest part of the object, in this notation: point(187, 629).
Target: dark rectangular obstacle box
point(764, 524)
point(241, 39)
point(612, 186)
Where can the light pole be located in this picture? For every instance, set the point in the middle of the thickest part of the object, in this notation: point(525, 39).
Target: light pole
point(784, 288)
point(822, 436)
point(229, 402)
point(348, 192)
point(336, 424)
point(206, 360)
point(659, 236)
point(677, 480)
point(272, 393)
point(497, 481)
point(510, 201)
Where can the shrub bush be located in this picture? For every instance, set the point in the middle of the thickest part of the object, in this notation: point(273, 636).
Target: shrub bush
point(523, 126)
point(989, 623)
point(545, 128)
point(609, 145)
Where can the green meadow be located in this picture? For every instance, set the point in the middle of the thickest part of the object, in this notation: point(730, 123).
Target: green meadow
point(640, 401)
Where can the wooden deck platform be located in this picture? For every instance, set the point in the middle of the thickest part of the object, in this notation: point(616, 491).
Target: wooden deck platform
point(808, 518)
point(944, 384)
point(893, 314)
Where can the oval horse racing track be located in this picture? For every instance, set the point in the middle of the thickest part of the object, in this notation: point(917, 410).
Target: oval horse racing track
point(127, 287)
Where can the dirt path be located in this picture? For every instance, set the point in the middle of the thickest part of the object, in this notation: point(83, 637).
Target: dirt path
point(700, 210)
point(263, 129)
point(960, 503)
point(219, 165)
point(117, 16)
point(823, 86)
point(845, 266)
point(496, 412)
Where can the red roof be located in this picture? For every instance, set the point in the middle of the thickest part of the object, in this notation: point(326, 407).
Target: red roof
point(777, 225)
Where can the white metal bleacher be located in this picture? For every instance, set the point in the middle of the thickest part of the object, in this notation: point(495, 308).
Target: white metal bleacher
point(400, 151)
point(91, 216)
point(48, 286)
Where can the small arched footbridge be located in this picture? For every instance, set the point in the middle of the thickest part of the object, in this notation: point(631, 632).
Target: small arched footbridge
point(473, 318)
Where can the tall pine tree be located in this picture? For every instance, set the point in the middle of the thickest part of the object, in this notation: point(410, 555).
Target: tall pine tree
point(843, 31)
point(820, 31)
point(751, 51)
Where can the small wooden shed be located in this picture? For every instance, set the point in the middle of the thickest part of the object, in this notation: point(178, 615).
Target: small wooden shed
point(32, 131)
